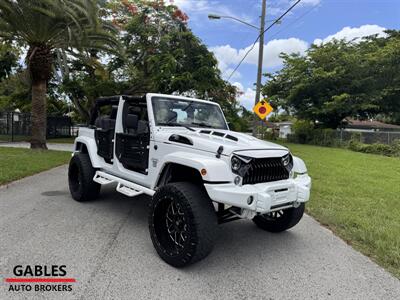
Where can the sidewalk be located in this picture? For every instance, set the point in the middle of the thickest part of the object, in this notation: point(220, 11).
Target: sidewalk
point(51, 146)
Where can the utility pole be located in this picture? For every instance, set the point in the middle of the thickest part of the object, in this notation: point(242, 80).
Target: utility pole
point(260, 63)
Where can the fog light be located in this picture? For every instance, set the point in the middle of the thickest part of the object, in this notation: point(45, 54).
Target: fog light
point(237, 180)
point(250, 200)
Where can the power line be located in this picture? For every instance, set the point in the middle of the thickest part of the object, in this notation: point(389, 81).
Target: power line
point(295, 21)
point(258, 37)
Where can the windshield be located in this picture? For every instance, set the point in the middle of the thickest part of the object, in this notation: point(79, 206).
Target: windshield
point(179, 112)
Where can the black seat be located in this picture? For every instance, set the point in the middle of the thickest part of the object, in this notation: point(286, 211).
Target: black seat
point(114, 111)
point(131, 123)
point(105, 123)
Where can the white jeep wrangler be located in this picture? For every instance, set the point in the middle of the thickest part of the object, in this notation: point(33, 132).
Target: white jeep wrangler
point(181, 152)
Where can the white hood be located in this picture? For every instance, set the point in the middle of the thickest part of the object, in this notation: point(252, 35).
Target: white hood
point(211, 139)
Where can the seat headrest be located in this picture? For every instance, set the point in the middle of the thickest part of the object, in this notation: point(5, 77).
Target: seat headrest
point(114, 110)
point(131, 121)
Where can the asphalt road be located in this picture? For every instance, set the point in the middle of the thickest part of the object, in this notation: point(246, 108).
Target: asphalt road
point(106, 246)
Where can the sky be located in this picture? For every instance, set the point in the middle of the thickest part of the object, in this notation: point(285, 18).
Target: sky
point(312, 21)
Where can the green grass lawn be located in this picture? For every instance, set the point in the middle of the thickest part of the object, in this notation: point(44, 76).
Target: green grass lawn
point(16, 138)
point(16, 163)
point(357, 196)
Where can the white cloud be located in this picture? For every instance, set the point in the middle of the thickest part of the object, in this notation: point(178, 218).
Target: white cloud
point(272, 50)
point(199, 9)
point(228, 56)
point(190, 5)
point(351, 33)
point(247, 96)
point(238, 85)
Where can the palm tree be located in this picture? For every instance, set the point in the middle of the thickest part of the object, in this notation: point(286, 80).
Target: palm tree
point(47, 26)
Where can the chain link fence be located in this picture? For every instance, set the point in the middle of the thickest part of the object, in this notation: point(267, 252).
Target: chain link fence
point(339, 137)
point(16, 127)
point(367, 137)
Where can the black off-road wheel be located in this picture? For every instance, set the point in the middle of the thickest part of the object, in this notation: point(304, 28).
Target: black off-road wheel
point(80, 178)
point(280, 220)
point(182, 223)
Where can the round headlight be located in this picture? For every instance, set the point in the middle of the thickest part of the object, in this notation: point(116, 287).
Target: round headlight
point(236, 163)
point(286, 159)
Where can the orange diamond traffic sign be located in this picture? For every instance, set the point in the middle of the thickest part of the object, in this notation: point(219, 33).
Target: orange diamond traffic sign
point(262, 109)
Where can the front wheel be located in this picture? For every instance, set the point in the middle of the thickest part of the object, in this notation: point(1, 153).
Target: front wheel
point(280, 220)
point(182, 223)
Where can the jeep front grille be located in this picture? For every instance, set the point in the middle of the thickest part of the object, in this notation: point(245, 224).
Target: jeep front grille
point(266, 170)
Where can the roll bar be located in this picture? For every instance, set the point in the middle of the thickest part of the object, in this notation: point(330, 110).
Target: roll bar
point(112, 100)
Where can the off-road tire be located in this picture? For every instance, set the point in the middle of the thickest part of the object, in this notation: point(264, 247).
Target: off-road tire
point(199, 216)
point(289, 218)
point(80, 178)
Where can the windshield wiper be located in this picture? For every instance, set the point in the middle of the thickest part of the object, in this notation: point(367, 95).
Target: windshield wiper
point(176, 124)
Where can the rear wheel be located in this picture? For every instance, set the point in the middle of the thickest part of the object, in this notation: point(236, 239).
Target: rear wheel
point(182, 223)
point(80, 178)
point(280, 220)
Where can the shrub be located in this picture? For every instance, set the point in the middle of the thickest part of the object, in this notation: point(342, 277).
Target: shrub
point(382, 149)
point(305, 133)
point(271, 135)
point(267, 134)
point(396, 146)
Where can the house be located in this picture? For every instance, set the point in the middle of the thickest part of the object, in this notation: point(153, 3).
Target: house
point(369, 126)
point(285, 128)
point(281, 128)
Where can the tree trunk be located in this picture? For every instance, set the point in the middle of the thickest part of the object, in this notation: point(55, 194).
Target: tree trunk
point(39, 115)
point(40, 61)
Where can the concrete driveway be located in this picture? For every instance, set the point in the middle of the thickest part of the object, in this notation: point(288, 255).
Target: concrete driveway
point(106, 246)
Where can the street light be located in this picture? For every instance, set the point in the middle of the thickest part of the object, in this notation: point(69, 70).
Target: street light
point(217, 17)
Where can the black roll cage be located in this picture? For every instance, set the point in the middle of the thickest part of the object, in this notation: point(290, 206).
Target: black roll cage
point(113, 100)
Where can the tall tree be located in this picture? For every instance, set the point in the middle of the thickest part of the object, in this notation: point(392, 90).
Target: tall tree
point(163, 55)
point(340, 79)
point(47, 26)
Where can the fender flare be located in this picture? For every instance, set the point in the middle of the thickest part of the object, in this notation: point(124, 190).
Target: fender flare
point(91, 149)
point(217, 169)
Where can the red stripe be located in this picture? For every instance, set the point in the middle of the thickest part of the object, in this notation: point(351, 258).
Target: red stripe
point(33, 279)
